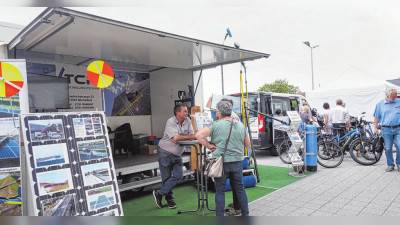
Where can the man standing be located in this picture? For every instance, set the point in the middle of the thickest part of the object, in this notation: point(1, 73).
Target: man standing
point(340, 117)
point(178, 128)
point(387, 114)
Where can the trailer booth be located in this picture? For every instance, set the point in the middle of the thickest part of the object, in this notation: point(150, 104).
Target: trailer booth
point(150, 68)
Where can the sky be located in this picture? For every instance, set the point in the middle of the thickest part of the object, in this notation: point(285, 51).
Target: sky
point(358, 39)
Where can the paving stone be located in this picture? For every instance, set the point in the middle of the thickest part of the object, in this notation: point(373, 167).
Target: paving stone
point(372, 211)
point(257, 213)
point(321, 213)
point(391, 213)
point(346, 212)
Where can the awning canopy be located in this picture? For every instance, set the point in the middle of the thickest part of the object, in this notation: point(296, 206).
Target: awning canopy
point(68, 36)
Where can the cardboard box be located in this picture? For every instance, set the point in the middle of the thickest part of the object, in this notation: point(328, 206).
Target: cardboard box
point(194, 109)
point(148, 149)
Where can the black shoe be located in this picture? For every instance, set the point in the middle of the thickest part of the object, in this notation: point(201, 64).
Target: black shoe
point(158, 199)
point(172, 204)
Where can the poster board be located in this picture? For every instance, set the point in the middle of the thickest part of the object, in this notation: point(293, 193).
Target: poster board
point(10, 148)
point(70, 169)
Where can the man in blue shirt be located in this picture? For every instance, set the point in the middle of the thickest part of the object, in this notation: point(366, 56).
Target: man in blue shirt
point(387, 114)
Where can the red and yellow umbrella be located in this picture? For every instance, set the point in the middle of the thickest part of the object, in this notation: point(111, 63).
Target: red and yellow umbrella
point(100, 74)
point(11, 80)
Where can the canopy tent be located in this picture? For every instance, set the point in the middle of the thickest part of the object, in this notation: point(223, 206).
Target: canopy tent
point(358, 99)
point(68, 36)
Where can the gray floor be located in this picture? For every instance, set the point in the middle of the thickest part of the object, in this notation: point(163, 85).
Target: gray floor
point(348, 190)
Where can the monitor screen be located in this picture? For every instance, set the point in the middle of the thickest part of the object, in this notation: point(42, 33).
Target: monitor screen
point(47, 92)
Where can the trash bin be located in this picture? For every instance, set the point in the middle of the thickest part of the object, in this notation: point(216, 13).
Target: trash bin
point(311, 148)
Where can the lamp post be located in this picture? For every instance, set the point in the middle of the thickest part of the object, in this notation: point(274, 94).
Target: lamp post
point(312, 70)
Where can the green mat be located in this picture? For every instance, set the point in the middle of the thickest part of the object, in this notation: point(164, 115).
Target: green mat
point(271, 179)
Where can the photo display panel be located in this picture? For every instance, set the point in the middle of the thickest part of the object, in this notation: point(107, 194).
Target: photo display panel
point(71, 170)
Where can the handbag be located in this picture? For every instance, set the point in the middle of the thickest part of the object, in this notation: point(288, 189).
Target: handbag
point(215, 168)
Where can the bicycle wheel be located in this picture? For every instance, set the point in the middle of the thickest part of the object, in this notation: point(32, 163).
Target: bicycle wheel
point(283, 151)
point(329, 154)
point(363, 153)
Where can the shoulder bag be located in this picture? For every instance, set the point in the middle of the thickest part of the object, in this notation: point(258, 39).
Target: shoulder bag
point(215, 168)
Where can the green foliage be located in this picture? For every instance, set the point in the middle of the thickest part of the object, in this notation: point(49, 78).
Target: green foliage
point(280, 86)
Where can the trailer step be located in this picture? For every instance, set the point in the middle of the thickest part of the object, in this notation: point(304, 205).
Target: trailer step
point(146, 182)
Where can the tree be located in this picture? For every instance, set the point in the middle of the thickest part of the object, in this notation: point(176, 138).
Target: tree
point(280, 86)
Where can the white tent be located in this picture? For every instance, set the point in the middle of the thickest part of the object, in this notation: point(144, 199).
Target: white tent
point(358, 99)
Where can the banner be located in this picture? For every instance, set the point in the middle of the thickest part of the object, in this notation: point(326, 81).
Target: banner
point(128, 95)
point(10, 150)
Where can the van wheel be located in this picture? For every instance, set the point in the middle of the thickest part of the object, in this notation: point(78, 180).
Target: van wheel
point(133, 178)
point(274, 151)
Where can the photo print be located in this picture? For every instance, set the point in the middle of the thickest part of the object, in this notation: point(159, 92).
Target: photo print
point(96, 173)
point(44, 130)
point(59, 206)
point(100, 197)
point(9, 145)
point(9, 188)
point(108, 213)
point(54, 181)
point(90, 126)
point(92, 149)
point(49, 155)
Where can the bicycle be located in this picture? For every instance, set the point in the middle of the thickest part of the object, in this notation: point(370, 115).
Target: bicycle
point(357, 140)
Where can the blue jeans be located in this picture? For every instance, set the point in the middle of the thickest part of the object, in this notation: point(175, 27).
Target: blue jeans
point(233, 170)
point(171, 172)
point(391, 135)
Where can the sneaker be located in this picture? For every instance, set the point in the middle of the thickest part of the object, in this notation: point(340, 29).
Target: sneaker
point(158, 199)
point(172, 204)
point(390, 168)
point(230, 205)
point(234, 212)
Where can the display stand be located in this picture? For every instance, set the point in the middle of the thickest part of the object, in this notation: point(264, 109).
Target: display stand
point(294, 137)
point(68, 166)
point(202, 190)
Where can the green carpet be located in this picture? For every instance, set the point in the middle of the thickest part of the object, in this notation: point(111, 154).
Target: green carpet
point(271, 179)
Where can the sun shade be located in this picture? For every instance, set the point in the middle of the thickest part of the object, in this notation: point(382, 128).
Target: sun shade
point(69, 36)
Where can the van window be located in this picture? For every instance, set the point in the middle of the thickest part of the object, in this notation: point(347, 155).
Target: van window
point(253, 104)
point(280, 103)
point(294, 105)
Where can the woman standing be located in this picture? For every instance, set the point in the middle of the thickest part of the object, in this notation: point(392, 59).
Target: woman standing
point(305, 115)
point(219, 132)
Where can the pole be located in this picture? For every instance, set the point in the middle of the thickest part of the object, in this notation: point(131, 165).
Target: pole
point(312, 70)
point(222, 78)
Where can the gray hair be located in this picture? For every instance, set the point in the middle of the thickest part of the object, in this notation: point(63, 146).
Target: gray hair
point(389, 91)
point(225, 108)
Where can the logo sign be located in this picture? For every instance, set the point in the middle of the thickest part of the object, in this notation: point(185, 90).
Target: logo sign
point(100, 74)
point(11, 80)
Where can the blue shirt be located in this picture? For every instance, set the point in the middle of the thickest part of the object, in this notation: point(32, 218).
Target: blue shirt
point(388, 113)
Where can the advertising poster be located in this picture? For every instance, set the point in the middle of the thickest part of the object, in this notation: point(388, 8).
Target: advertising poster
point(10, 151)
point(128, 95)
point(70, 158)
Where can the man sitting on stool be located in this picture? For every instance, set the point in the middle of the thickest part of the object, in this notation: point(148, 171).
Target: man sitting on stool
point(178, 128)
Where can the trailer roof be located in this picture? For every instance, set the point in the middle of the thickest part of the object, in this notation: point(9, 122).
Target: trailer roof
point(68, 36)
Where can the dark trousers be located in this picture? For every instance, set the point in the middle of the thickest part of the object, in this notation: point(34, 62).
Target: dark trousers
point(342, 131)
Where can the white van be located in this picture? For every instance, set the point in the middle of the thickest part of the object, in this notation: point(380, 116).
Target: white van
point(263, 134)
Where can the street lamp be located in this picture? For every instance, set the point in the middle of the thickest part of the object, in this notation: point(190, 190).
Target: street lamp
point(312, 72)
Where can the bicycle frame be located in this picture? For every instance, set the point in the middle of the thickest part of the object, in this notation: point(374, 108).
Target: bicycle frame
point(349, 135)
